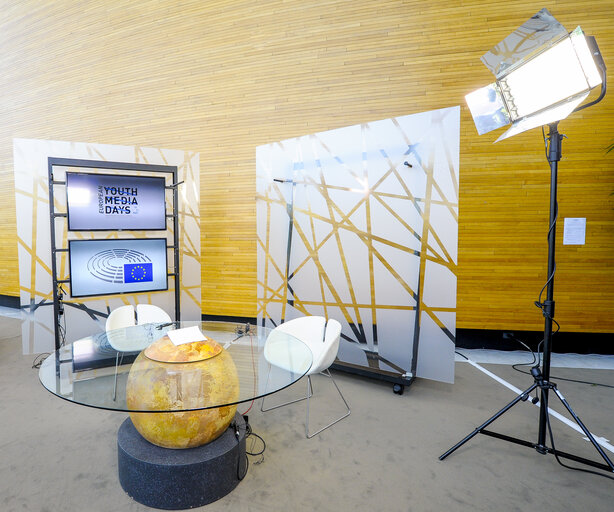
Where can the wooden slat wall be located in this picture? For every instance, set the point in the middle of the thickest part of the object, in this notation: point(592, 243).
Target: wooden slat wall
point(224, 77)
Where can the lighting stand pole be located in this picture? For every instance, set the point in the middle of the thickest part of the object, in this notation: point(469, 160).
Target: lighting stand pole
point(555, 142)
point(541, 376)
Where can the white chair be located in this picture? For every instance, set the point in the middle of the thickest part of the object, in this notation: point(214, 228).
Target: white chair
point(122, 316)
point(150, 314)
point(119, 318)
point(322, 338)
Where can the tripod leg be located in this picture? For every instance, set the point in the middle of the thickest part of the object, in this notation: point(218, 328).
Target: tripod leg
point(584, 429)
point(523, 396)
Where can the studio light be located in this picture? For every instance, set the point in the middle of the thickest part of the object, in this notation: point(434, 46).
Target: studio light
point(542, 75)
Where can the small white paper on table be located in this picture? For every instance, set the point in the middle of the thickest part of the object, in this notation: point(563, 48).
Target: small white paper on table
point(574, 232)
point(186, 335)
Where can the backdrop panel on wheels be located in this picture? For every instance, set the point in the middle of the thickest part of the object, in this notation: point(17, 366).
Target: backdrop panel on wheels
point(85, 315)
point(361, 224)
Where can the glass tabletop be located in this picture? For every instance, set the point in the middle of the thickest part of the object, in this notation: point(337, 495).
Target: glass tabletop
point(139, 368)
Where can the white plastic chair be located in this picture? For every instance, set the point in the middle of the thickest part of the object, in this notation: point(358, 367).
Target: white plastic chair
point(122, 316)
point(119, 318)
point(322, 338)
point(150, 314)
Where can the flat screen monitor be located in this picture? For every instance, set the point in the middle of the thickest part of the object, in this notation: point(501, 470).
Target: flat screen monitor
point(112, 266)
point(97, 202)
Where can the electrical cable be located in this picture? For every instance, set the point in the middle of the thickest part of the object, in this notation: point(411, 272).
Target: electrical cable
point(575, 468)
point(552, 377)
point(248, 330)
point(556, 377)
point(61, 328)
point(462, 355)
point(39, 359)
point(529, 350)
point(249, 433)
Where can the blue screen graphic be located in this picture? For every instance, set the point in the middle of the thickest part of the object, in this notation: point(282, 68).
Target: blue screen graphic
point(138, 272)
point(110, 266)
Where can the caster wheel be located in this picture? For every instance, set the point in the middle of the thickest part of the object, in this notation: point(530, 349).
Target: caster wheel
point(398, 389)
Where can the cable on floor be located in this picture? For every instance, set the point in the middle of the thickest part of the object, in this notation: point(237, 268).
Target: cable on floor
point(38, 360)
point(575, 468)
point(255, 438)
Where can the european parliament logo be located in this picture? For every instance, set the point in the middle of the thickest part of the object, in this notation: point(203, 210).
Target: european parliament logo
point(138, 272)
point(119, 265)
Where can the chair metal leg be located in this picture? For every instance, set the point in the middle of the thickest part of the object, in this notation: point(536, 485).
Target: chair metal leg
point(309, 436)
point(116, 368)
point(307, 397)
point(309, 394)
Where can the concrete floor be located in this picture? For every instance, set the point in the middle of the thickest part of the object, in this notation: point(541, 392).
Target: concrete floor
point(57, 456)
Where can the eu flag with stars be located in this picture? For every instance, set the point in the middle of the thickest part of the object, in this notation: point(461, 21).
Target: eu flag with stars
point(138, 272)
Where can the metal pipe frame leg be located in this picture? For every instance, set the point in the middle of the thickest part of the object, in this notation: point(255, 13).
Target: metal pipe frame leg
point(589, 436)
point(118, 363)
point(309, 436)
point(309, 395)
point(521, 397)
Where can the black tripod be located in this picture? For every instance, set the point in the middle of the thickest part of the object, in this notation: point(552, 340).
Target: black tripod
point(541, 376)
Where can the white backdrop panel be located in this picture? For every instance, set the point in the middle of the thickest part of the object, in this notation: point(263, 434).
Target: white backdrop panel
point(373, 240)
point(87, 315)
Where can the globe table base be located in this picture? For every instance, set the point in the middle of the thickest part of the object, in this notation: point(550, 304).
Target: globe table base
point(180, 479)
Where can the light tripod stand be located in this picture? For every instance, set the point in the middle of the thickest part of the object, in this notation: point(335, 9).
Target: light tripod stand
point(541, 376)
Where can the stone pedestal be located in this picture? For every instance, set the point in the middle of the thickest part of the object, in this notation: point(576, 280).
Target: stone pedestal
point(180, 479)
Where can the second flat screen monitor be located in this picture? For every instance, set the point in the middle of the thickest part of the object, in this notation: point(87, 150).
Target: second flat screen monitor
point(97, 202)
point(107, 267)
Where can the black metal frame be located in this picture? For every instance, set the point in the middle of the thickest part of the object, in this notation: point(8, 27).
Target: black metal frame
point(400, 379)
point(118, 166)
point(541, 377)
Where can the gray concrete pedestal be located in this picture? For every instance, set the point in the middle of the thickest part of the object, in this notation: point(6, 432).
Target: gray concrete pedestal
point(180, 479)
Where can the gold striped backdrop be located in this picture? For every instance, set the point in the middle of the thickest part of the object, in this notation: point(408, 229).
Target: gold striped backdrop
point(222, 77)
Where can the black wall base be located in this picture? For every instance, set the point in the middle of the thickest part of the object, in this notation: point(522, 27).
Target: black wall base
point(8, 301)
point(562, 342)
point(180, 479)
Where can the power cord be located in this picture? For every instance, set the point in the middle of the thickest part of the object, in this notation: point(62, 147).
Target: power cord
point(462, 355)
point(255, 438)
point(250, 332)
point(242, 330)
point(249, 435)
point(39, 359)
point(552, 377)
point(575, 468)
point(61, 313)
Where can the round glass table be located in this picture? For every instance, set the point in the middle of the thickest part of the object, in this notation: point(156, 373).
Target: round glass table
point(181, 383)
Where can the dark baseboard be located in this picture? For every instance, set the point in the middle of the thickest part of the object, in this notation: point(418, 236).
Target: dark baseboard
point(235, 319)
point(562, 342)
point(8, 301)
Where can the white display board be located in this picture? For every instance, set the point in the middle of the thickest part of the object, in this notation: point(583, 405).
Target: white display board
point(87, 315)
point(360, 224)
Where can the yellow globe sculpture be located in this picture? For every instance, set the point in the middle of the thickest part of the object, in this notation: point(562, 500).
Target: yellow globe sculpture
point(167, 377)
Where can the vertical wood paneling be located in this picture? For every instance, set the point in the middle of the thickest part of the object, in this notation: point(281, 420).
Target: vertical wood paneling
point(223, 77)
